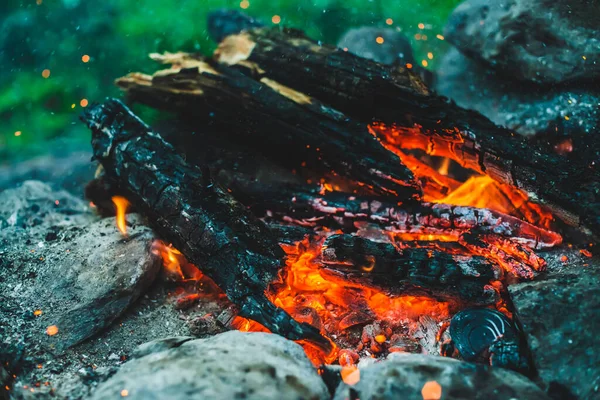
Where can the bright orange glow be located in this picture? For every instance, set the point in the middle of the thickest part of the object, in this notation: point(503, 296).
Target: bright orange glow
point(431, 391)
point(175, 265)
point(379, 40)
point(85, 58)
point(409, 65)
point(443, 170)
point(37, 313)
point(478, 191)
point(46, 73)
point(244, 4)
point(124, 393)
point(83, 103)
point(121, 205)
point(389, 21)
point(51, 330)
point(441, 37)
point(276, 19)
point(18, 133)
point(421, 25)
point(430, 55)
point(424, 63)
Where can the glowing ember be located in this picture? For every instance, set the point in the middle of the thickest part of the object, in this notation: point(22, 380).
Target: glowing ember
point(37, 313)
point(121, 205)
point(52, 330)
point(124, 393)
point(431, 391)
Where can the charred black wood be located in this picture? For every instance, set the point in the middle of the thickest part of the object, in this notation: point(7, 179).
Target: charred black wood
point(284, 125)
point(395, 97)
point(198, 217)
point(305, 205)
point(439, 274)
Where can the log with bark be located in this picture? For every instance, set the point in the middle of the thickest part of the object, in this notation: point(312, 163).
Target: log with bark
point(186, 208)
point(287, 126)
point(405, 113)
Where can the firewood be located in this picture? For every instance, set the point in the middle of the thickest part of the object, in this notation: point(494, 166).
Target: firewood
point(282, 124)
point(404, 113)
point(439, 274)
point(186, 208)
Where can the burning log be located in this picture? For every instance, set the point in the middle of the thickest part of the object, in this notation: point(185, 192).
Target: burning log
point(284, 125)
point(304, 205)
point(199, 218)
point(438, 273)
point(407, 114)
point(505, 239)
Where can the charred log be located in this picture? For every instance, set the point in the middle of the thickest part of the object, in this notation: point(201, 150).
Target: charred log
point(437, 273)
point(406, 112)
point(187, 209)
point(304, 205)
point(285, 125)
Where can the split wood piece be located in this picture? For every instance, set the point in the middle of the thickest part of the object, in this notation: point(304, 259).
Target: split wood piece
point(396, 99)
point(282, 124)
point(304, 205)
point(439, 274)
point(506, 239)
point(200, 219)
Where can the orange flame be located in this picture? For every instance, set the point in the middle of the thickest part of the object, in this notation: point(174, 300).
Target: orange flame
point(121, 205)
point(175, 264)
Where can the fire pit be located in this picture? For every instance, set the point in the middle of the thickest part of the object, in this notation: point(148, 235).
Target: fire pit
point(309, 193)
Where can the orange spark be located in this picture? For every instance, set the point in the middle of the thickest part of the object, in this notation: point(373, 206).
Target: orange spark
point(52, 330)
point(431, 391)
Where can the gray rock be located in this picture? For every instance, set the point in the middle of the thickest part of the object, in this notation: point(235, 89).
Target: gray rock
point(88, 287)
point(546, 41)
point(34, 203)
point(69, 172)
point(227, 366)
point(559, 315)
point(362, 42)
point(403, 376)
point(526, 109)
point(58, 258)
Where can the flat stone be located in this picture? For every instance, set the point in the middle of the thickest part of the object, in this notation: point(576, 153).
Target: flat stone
point(417, 377)
point(526, 109)
point(545, 41)
point(231, 365)
point(559, 314)
point(62, 267)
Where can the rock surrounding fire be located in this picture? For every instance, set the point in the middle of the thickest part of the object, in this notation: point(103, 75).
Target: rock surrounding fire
point(366, 321)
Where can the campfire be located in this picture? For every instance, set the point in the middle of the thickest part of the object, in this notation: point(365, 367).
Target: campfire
point(373, 217)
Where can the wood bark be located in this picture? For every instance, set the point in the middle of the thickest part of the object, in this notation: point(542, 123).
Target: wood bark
point(284, 125)
point(405, 114)
point(198, 217)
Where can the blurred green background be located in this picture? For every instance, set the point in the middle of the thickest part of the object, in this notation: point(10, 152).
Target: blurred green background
point(44, 80)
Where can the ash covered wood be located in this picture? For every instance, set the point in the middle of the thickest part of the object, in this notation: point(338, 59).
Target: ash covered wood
point(187, 209)
point(395, 97)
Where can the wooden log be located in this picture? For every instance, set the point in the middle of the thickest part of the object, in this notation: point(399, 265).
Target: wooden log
point(407, 114)
point(284, 125)
point(437, 273)
point(199, 218)
point(306, 206)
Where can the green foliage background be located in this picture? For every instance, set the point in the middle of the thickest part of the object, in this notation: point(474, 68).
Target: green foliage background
point(118, 35)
